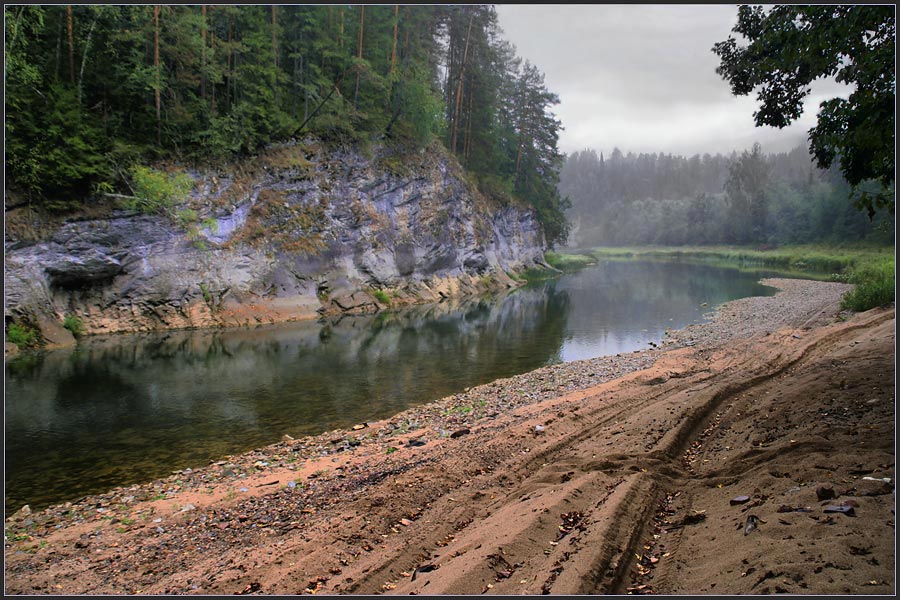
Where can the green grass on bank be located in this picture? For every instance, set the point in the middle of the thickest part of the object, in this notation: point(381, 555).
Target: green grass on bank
point(871, 268)
point(569, 262)
point(874, 285)
point(560, 262)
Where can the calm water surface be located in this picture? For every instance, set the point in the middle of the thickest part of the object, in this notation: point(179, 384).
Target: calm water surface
point(124, 409)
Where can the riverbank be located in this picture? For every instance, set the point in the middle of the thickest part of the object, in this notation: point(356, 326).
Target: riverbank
point(870, 267)
point(607, 475)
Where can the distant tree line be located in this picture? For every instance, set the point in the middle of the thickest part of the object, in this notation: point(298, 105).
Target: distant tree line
point(747, 198)
point(92, 90)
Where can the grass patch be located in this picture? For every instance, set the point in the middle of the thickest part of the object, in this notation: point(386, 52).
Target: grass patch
point(809, 257)
point(22, 335)
point(569, 262)
point(874, 286)
point(74, 324)
point(157, 191)
point(382, 296)
point(537, 274)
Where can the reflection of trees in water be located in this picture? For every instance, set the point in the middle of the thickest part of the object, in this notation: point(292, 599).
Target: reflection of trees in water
point(171, 399)
point(632, 294)
point(160, 401)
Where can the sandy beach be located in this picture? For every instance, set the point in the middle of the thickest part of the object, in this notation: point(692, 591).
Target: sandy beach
point(751, 454)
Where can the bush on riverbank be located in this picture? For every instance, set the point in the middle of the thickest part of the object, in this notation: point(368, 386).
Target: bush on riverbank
point(874, 286)
point(22, 335)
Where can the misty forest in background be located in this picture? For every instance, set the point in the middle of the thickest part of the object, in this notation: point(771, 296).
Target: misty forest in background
point(739, 199)
point(95, 92)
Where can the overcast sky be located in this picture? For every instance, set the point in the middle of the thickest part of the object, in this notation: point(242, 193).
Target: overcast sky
point(642, 78)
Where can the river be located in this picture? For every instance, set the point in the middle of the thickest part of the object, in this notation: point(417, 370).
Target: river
point(123, 409)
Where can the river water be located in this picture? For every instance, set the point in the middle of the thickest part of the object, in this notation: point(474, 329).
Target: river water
point(123, 409)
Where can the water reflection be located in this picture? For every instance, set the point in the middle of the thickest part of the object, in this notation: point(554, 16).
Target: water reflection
point(123, 409)
point(128, 408)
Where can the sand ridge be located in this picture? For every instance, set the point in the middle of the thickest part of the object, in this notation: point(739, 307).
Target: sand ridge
point(635, 484)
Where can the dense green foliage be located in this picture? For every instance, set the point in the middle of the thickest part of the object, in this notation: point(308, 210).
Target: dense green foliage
point(789, 47)
point(155, 191)
point(74, 324)
point(94, 91)
point(22, 335)
point(751, 198)
point(874, 286)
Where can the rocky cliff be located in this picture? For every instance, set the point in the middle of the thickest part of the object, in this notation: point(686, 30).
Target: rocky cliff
point(300, 231)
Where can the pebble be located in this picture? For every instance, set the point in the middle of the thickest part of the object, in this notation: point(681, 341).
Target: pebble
point(798, 303)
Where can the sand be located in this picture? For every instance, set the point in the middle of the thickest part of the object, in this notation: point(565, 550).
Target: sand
point(753, 454)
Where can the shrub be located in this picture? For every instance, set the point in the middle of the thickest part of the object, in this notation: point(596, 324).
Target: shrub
point(156, 191)
point(21, 335)
point(74, 324)
point(874, 287)
point(381, 296)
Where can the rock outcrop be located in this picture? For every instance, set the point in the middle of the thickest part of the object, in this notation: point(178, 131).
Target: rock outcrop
point(298, 232)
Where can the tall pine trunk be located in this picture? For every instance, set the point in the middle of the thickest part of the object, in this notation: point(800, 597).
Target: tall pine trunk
point(359, 54)
point(58, 48)
point(467, 140)
point(87, 46)
point(390, 87)
point(203, 52)
point(394, 47)
point(459, 87)
point(274, 55)
point(158, 76)
point(69, 27)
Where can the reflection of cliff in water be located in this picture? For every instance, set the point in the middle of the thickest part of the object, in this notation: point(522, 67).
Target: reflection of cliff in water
point(142, 405)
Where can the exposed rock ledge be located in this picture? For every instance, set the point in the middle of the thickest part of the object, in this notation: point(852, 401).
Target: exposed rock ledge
point(299, 232)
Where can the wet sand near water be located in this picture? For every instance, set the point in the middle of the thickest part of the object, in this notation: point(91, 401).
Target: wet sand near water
point(753, 454)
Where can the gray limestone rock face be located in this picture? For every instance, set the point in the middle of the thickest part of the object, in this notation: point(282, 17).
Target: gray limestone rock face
point(285, 243)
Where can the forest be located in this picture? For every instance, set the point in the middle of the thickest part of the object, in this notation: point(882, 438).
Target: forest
point(747, 198)
point(94, 93)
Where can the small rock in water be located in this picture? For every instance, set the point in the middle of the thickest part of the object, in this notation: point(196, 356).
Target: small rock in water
point(361, 426)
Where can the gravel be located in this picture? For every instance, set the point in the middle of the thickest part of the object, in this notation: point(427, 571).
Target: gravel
point(798, 304)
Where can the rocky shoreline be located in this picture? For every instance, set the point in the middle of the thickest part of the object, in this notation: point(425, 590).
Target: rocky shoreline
point(282, 491)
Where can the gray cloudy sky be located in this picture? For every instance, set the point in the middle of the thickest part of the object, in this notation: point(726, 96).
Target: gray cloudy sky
point(642, 78)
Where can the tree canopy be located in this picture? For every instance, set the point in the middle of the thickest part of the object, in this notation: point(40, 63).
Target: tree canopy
point(789, 47)
point(746, 198)
point(93, 90)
